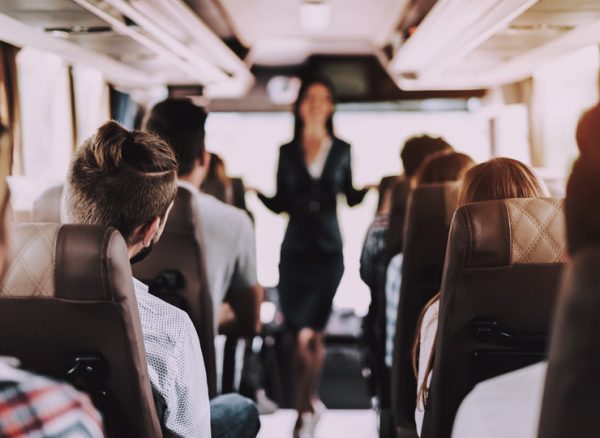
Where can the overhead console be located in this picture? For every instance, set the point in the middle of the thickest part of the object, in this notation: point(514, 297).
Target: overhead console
point(134, 43)
point(462, 44)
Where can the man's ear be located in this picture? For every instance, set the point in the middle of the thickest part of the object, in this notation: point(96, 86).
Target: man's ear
point(150, 231)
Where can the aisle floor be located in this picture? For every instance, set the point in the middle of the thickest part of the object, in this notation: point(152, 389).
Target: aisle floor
point(352, 423)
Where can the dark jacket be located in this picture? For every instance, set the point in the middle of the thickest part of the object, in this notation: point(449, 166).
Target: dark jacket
point(312, 203)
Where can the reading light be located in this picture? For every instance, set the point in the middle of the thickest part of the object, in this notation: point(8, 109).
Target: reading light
point(315, 16)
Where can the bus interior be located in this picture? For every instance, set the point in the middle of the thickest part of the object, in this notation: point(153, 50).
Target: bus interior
point(493, 78)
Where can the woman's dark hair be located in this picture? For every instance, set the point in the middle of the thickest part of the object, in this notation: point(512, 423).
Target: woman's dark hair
point(306, 84)
point(215, 166)
point(443, 167)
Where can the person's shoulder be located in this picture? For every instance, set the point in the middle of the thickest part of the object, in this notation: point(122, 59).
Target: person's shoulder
point(68, 404)
point(156, 312)
point(341, 143)
point(286, 148)
point(216, 208)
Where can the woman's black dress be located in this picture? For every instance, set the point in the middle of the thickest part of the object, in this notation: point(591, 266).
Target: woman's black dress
point(311, 263)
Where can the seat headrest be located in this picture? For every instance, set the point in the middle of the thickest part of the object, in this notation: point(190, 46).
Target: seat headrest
point(47, 207)
point(435, 199)
point(183, 212)
point(75, 262)
point(509, 232)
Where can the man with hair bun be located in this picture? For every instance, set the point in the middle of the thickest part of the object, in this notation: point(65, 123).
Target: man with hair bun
point(128, 180)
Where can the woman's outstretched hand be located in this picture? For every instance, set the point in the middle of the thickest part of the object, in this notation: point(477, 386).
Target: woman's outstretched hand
point(371, 186)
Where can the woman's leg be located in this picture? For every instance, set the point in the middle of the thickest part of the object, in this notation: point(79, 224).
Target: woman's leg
point(303, 360)
point(317, 359)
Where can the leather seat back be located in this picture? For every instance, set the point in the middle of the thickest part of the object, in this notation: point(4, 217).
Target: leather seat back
point(572, 389)
point(68, 310)
point(47, 206)
point(429, 213)
point(503, 264)
point(395, 236)
point(176, 272)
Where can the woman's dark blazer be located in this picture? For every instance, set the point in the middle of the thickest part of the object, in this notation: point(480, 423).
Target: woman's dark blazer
point(311, 203)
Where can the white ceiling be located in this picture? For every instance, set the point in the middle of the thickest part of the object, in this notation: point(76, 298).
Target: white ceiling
point(274, 32)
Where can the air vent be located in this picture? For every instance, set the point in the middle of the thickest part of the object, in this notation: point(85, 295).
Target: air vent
point(78, 30)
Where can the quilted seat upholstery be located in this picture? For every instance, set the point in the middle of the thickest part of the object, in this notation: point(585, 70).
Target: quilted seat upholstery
point(68, 310)
point(501, 276)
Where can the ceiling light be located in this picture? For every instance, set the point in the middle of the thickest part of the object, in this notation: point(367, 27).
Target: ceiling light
point(315, 17)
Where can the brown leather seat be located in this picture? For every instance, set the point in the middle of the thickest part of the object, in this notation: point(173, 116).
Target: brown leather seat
point(47, 206)
point(394, 240)
point(175, 271)
point(429, 213)
point(68, 310)
point(501, 276)
point(572, 390)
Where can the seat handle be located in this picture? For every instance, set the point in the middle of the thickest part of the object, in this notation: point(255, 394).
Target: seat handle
point(88, 371)
point(492, 330)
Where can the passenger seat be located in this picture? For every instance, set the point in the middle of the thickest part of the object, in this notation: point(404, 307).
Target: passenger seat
point(47, 206)
point(68, 310)
point(501, 276)
point(572, 389)
point(175, 270)
point(429, 213)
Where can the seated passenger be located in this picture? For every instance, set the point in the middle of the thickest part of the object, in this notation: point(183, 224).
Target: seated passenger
point(127, 180)
point(227, 231)
point(414, 153)
point(509, 405)
point(31, 405)
point(440, 167)
point(499, 178)
point(223, 187)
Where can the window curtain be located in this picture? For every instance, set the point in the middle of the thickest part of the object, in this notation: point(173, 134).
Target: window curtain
point(125, 110)
point(10, 110)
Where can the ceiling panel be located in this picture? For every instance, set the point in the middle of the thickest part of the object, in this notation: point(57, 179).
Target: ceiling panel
point(266, 24)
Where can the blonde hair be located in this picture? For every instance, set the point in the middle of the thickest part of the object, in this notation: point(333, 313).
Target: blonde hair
point(498, 178)
point(122, 179)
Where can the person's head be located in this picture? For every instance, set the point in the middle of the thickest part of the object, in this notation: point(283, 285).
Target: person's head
point(417, 149)
point(588, 132)
point(582, 209)
point(216, 168)
point(123, 179)
point(500, 178)
point(4, 199)
point(315, 104)
point(181, 124)
point(444, 166)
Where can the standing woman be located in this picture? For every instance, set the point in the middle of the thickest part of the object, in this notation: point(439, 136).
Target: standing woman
point(313, 169)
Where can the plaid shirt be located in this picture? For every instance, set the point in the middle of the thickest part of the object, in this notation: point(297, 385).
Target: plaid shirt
point(392, 295)
point(33, 406)
point(372, 257)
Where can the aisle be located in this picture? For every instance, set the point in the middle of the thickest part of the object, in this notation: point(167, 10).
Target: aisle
point(335, 423)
